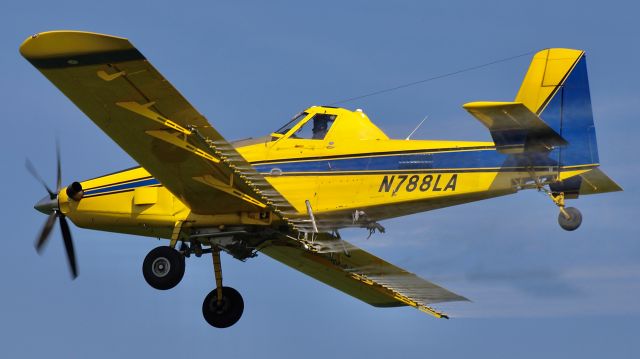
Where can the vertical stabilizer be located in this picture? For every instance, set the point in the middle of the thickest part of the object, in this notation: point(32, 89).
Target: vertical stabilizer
point(556, 88)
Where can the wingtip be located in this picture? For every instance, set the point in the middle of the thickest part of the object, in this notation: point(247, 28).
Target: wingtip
point(70, 42)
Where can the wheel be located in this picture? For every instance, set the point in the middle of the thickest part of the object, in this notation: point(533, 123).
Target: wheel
point(227, 313)
point(572, 223)
point(163, 268)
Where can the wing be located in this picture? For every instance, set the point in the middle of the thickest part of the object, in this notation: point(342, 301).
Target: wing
point(514, 127)
point(119, 90)
point(358, 273)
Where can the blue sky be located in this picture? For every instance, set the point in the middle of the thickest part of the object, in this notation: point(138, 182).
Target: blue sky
point(248, 67)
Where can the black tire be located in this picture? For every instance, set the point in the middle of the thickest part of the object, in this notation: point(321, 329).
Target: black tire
point(228, 313)
point(573, 223)
point(163, 268)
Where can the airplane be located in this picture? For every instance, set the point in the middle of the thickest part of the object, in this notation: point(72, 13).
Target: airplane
point(287, 194)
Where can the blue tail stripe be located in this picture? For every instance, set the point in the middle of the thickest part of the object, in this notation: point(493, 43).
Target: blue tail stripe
point(569, 114)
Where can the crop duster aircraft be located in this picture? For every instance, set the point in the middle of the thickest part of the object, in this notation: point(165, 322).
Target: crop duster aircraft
point(287, 194)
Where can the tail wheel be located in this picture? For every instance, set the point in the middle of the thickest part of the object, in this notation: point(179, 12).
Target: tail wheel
point(573, 222)
point(224, 313)
point(163, 268)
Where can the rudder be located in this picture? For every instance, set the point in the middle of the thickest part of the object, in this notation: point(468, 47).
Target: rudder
point(556, 88)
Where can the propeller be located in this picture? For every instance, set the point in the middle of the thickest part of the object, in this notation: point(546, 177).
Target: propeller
point(49, 205)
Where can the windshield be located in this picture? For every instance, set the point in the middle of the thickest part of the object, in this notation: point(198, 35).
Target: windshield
point(284, 129)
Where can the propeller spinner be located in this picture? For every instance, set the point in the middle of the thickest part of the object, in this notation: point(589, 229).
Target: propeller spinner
point(49, 205)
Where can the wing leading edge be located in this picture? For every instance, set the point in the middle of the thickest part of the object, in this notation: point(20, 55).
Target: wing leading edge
point(122, 93)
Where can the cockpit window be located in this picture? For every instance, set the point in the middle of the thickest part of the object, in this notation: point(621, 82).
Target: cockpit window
point(284, 129)
point(316, 128)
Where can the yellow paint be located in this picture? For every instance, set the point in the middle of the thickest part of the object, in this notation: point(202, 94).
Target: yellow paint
point(175, 234)
point(352, 133)
point(149, 211)
point(228, 188)
point(546, 72)
point(71, 43)
point(144, 111)
point(145, 196)
point(173, 139)
point(571, 173)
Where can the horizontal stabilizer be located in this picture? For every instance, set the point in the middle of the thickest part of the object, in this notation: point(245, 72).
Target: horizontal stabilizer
point(591, 181)
point(596, 181)
point(514, 128)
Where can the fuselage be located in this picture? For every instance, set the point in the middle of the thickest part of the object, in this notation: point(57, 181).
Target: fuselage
point(355, 167)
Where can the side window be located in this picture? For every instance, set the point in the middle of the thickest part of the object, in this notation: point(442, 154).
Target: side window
point(316, 128)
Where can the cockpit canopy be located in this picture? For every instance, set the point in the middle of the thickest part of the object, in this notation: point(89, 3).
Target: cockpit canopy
point(330, 123)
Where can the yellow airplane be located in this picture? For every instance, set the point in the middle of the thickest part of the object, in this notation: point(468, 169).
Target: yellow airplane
point(287, 194)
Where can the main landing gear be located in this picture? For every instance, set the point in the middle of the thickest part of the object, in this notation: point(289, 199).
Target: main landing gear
point(163, 268)
point(223, 306)
point(569, 218)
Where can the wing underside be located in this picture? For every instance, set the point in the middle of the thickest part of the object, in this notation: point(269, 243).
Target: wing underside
point(360, 274)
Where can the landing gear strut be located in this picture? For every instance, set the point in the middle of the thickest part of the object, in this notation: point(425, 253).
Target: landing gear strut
point(569, 218)
point(223, 306)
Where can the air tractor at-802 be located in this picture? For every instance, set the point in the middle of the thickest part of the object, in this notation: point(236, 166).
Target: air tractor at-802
point(287, 194)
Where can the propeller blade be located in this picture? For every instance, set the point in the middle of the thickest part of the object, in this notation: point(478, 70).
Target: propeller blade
point(68, 244)
point(35, 175)
point(46, 230)
point(59, 169)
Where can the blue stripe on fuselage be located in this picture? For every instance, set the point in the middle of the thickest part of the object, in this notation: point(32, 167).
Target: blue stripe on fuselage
point(476, 159)
point(123, 186)
point(462, 160)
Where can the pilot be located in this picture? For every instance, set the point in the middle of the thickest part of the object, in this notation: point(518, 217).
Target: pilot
point(319, 128)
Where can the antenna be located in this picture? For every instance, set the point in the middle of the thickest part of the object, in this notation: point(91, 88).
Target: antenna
point(417, 127)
